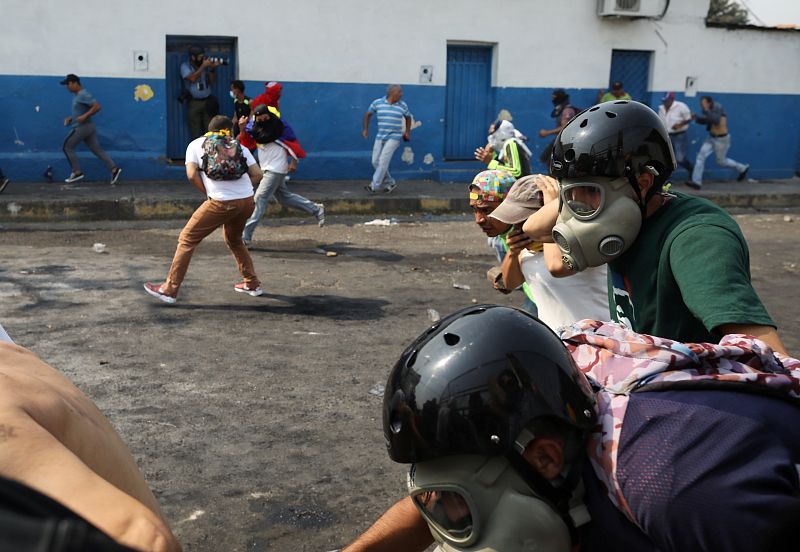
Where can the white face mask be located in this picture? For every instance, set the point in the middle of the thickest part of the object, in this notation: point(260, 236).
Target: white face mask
point(597, 221)
point(478, 504)
point(503, 132)
point(233, 94)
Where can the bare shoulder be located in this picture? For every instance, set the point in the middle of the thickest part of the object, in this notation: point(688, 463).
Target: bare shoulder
point(27, 382)
point(44, 405)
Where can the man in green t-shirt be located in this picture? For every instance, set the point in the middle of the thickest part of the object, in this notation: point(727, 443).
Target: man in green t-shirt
point(617, 92)
point(678, 265)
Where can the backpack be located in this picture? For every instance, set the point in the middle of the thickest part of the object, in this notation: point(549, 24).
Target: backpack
point(268, 131)
point(617, 362)
point(223, 158)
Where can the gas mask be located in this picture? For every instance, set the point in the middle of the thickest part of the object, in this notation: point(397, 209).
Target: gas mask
point(475, 503)
point(597, 221)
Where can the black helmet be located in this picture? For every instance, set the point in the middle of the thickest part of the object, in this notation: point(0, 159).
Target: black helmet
point(471, 383)
point(613, 139)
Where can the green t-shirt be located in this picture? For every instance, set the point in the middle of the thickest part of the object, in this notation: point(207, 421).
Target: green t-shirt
point(687, 273)
point(609, 97)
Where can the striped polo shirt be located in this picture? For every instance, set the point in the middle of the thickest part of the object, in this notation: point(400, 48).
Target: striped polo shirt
point(390, 118)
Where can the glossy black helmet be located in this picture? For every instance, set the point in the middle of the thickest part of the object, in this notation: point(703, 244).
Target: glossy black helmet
point(471, 383)
point(613, 139)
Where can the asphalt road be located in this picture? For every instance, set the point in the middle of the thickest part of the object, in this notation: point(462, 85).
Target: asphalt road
point(257, 421)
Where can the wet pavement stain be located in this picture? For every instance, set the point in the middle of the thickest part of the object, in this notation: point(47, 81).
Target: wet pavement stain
point(47, 269)
point(305, 516)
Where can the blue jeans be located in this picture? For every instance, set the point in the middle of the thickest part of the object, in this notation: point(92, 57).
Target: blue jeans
point(530, 307)
point(274, 184)
point(382, 152)
point(720, 147)
point(680, 145)
point(496, 243)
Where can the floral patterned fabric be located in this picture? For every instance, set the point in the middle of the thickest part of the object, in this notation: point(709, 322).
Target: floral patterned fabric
point(618, 361)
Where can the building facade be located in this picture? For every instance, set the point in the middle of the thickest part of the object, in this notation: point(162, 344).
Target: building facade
point(461, 64)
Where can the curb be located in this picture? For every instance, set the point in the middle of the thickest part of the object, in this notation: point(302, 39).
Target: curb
point(170, 209)
point(132, 209)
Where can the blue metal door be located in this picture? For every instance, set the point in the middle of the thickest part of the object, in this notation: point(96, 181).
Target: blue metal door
point(468, 100)
point(177, 52)
point(632, 69)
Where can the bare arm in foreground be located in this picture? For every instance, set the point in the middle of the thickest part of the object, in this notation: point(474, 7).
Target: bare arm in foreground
point(767, 334)
point(401, 527)
point(61, 445)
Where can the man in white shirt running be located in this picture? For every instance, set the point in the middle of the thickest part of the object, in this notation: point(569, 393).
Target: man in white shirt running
point(265, 130)
point(677, 116)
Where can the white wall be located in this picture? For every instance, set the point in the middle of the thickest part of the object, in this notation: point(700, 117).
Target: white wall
point(540, 43)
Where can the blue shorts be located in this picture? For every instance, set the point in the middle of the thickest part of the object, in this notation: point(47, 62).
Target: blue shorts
point(702, 470)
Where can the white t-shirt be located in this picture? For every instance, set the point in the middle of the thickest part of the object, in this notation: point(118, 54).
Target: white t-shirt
point(273, 158)
point(221, 190)
point(562, 301)
point(4, 336)
point(678, 112)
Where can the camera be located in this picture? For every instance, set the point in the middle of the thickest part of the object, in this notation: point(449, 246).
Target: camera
point(218, 60)
point(184, 96)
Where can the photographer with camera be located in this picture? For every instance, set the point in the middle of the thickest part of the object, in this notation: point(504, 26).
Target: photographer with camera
point(199, 75)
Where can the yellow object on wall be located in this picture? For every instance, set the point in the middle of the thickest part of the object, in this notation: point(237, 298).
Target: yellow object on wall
point(142, 92)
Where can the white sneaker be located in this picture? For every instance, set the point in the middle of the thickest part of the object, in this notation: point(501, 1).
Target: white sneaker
point(115, 175)
point(320, 214)
point(155, 291)
point(241, 288)
point(74, 177)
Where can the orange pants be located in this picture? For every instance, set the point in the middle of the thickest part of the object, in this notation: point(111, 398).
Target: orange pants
point(231, 215)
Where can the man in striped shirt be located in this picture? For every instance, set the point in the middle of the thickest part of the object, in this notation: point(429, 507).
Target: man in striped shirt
point(391, 112)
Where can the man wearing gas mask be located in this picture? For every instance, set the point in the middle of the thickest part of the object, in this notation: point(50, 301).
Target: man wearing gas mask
point(502, 433)
point(678, 265)
point(559, 301)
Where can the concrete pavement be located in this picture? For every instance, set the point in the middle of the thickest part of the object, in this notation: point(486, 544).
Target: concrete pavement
point(165, 200)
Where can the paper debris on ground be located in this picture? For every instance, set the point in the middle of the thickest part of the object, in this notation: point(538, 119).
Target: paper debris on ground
point(382, 222)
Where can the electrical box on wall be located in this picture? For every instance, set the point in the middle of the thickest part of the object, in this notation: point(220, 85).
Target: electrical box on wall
point(140, 62)
point(631, 8)
point(425, 74)
point(691, 87)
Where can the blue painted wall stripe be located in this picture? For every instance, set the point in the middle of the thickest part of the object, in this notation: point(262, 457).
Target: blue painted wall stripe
point(327, 118)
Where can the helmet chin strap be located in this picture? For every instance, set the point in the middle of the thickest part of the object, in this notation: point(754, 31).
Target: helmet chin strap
point(634, 182)
point(557, 497)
